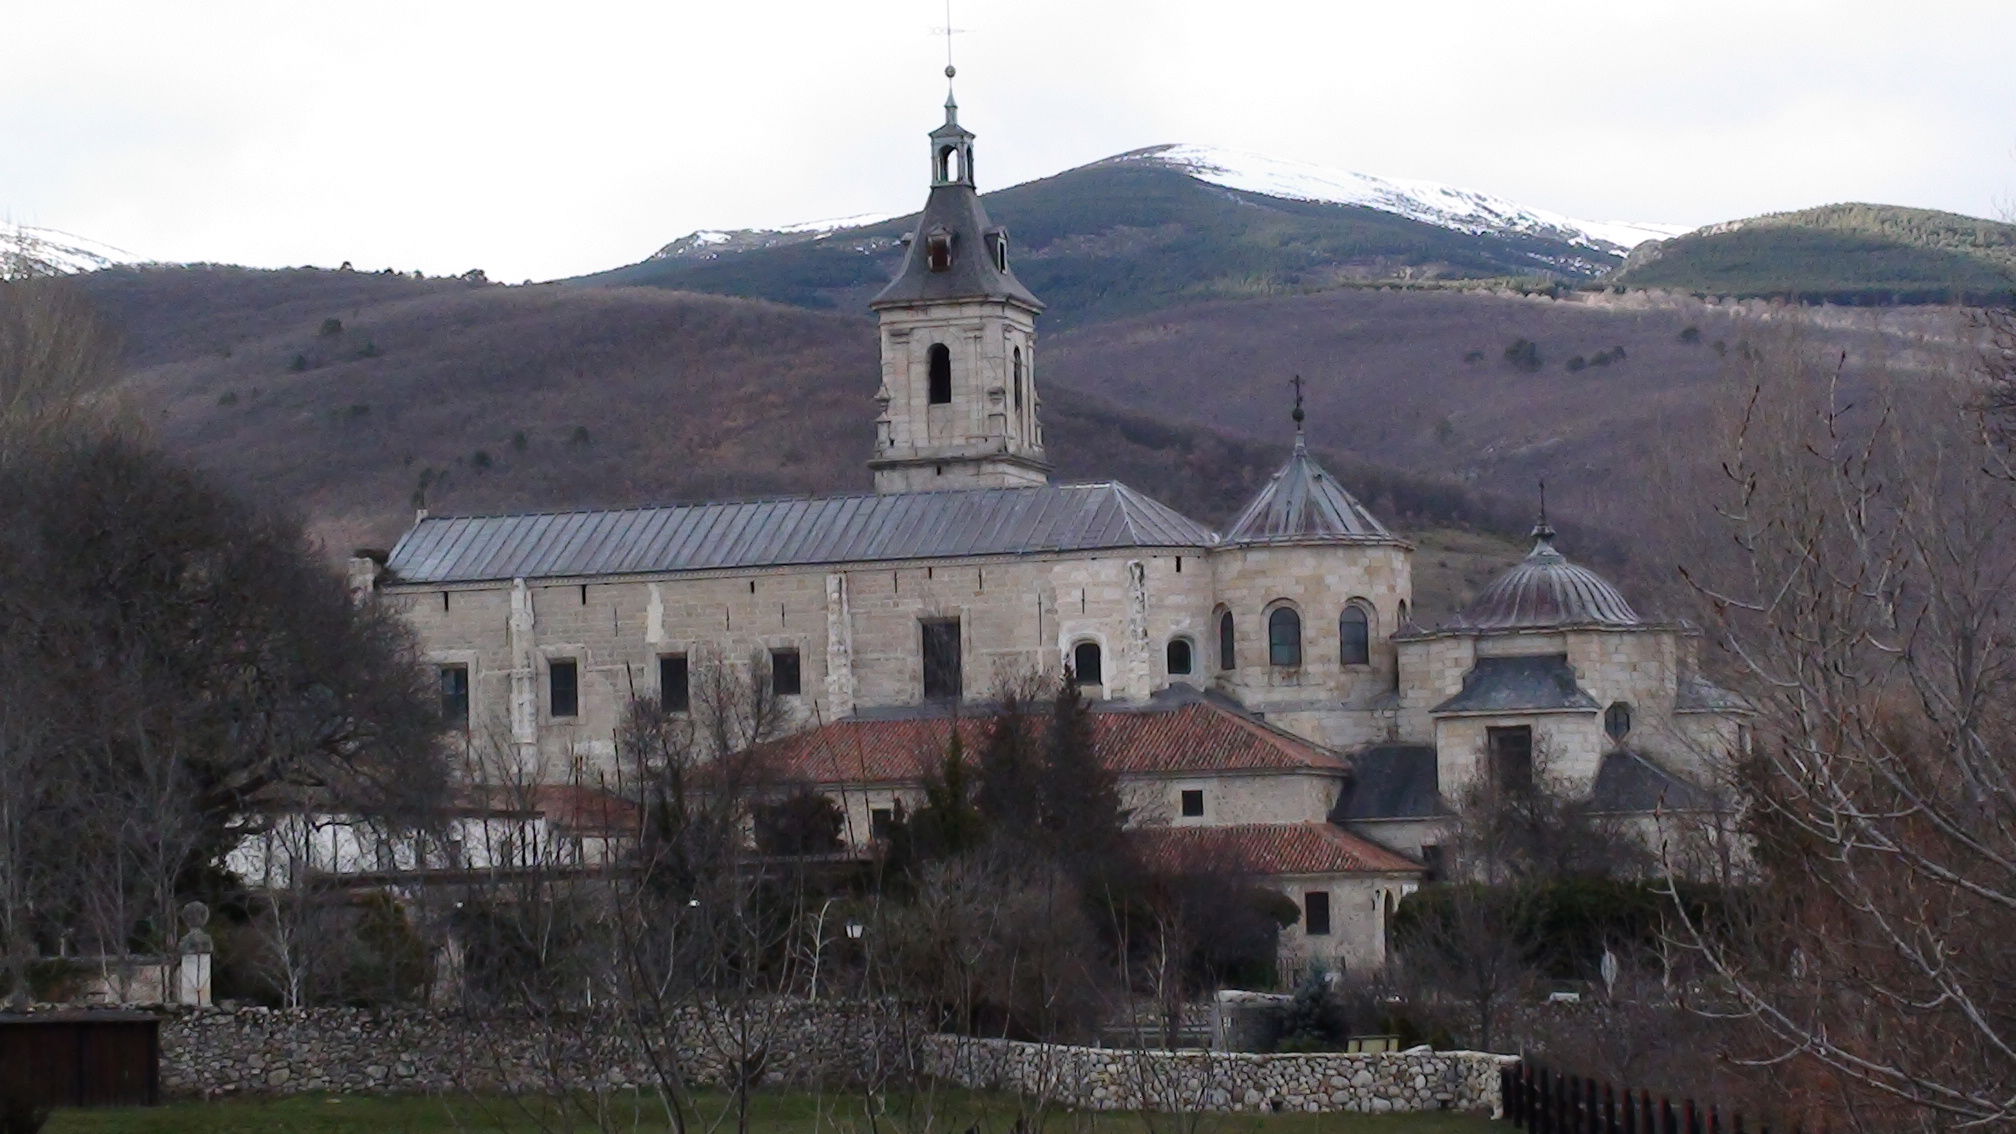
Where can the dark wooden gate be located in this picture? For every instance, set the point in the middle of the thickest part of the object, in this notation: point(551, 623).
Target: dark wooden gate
point(52, 1059)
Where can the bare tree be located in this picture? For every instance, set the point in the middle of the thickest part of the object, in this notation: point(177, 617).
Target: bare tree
point(58, 360)
point(1865, 595)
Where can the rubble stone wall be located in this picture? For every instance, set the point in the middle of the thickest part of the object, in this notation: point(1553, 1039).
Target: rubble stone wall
point(1174, 1081)
point(345, 1050)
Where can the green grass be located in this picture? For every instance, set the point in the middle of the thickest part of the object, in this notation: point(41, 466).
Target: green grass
point(772, 1113)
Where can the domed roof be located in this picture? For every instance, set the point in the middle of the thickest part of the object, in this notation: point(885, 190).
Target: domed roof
point(1545, 591)
point(1303, 503)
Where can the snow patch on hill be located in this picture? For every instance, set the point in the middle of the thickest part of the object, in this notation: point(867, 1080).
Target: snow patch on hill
point(1464, 210)
point(31, 250)
point(710, 243)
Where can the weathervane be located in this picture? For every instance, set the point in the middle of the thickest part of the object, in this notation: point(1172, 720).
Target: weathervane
point(1542, 531)
point(1298, 415)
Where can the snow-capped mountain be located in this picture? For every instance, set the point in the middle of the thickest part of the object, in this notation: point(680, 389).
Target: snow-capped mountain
point(1463, 210)
point(30, 250)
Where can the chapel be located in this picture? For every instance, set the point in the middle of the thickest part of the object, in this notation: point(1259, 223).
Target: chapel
point(1263, 692)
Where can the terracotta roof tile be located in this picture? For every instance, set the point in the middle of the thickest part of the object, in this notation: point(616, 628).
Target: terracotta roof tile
point(1269, 848)
point(1194, 737)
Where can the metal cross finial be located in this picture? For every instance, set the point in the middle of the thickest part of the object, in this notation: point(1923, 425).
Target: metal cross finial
point(1543, 531)
point(1298, 415)
point(1543, 502)
point(948, 31)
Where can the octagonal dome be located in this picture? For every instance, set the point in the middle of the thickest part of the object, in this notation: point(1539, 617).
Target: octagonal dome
point(1545, 591)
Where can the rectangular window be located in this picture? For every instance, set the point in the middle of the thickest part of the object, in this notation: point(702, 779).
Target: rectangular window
point(1433, 858)
point(455, 696)
point(1511, 753)
point(675, 690)
point(784, 674)
point(1193, 803)
point(881, 822)
point(1316, 913)
point(943, 679)
point(563, 688)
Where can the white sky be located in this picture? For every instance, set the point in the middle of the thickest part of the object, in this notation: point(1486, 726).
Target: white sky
point(548, 139)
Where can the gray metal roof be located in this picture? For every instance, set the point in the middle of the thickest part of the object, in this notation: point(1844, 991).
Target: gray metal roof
point(1545, 591)
point(796, 530)
point(1303, 503)
point(1697, 694)
point(1539, 682)
point(954, 208)
point(1391, 781)
point(1629, 781)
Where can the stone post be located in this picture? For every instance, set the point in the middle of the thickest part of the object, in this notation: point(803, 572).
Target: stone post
point(192, 979)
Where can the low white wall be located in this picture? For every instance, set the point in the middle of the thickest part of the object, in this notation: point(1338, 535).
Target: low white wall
point(1171, 1081)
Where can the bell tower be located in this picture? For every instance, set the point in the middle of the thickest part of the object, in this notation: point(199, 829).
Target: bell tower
point(958, 398)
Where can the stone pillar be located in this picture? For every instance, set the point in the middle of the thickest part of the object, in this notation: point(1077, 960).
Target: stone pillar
point(1136, 653)
point(839, 648)
point(524, 675)
point(192, 978)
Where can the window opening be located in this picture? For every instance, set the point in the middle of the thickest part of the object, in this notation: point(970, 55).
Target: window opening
point(784, 672)
point(1284, 637)
point(1433, 858)
point(1018, 379)
point(1316, 913)
point(1511, 751)
point(943, 678)
point(938, 251)
point(675, 688)
point(584, 594)
point(1354, 636)
point(563, 688)
point(1193, 803)
point(881, 822)
point(1227, 657)
point(1179, 657)
point(1085, 664)
point(444, 602)
point(939, 367)
point(1617, 721)
point(1001, 251)
point(455, 696)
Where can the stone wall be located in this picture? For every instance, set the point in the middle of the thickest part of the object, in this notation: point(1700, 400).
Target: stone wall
point(345, 1050)
point(1111, 1079)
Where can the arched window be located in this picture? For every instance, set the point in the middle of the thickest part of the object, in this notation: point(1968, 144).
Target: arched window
point(1617, 721)
point(940, 367)
point(1018, 379)
point(1227, 656)
point(1179, 657)
point(1402, 620)
point(1284, 637)
point(1085, 664)
point(948, 163)
point(1001, 251)
point(1354, 636)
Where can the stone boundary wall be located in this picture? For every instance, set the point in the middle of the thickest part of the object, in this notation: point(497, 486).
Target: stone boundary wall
point(353, 1050)
point(1172, 1081)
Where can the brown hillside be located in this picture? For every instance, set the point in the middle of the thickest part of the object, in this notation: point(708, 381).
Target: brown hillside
point(478, 398)
point(1390, 383)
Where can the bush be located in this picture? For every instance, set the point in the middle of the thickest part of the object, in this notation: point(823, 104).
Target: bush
point(1524, 354)
point(331, 328)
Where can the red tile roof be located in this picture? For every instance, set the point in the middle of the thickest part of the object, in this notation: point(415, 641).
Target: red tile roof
point(1194, 737)
point(1269, 848)
point(573, 808)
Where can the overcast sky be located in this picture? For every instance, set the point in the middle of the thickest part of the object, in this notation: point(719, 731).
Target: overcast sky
point(536, 140)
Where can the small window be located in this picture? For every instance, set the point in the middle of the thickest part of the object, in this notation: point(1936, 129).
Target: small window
point(1511, 751)
point(455, 696)
point(1316, 913)
point(1354, 636)
point(1284, 637)
point(784, 673)
point(881, 823)
point(1018, 379)
point(1193, 803)
point(943, 680)
point(939, 360)
point(938, 251)
point(675, 689)
point(563, 688)
point(1617, 721)
point(1227, 656)
point(1001, 251)
point(1085, 664)
point(1179, 657)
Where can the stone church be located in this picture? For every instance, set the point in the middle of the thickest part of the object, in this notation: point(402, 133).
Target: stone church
point(1262, 691)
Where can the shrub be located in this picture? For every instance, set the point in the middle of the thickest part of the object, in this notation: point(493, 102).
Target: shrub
point(331, 328)
point(299, 364)
point(1524, 354)
point(1578, 362)
point(1691, 335)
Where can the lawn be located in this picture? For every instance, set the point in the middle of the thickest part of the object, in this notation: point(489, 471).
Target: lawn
point(773, 1113)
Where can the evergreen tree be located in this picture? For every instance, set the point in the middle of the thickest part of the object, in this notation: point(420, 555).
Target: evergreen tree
point(948, 824)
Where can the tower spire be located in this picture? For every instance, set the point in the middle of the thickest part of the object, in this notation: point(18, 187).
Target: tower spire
point(1543, 532)
point(1297, 415)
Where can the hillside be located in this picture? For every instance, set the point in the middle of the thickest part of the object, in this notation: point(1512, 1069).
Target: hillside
point(1853, 253)
point(1144, 231)
point(465, 397)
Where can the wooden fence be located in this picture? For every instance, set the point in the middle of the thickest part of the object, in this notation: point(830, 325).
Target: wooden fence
point(1547, 1102)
